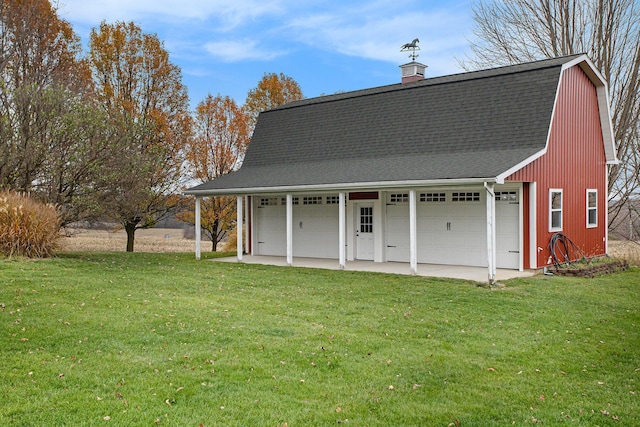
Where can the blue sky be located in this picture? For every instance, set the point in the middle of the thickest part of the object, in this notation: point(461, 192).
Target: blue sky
point(225, 47)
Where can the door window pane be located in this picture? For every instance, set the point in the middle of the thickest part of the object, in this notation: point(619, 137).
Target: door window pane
point(366, 219)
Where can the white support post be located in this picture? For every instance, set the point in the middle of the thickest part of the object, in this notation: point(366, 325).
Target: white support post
point(197, 226)
point(491, 232)
point(247, 216)
point(289, 229)
point(239, 229)
point(413, 233)
point(342, 250)
point(533, 231)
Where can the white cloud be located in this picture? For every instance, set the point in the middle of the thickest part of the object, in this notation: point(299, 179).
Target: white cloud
point(241, 50)
point(351, 33)
point(269, 29)
point(227, 13)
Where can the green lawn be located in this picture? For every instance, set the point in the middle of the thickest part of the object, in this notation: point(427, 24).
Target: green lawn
point(160, 339)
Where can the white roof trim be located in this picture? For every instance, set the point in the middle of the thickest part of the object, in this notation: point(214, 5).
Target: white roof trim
point(357, 186)
point(602, 92)
point(542, 152)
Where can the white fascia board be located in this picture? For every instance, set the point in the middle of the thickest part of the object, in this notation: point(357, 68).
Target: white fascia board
point(602, 91)
point(542, 152)
point(596, 78)
point(500, 178)
point(356, 186)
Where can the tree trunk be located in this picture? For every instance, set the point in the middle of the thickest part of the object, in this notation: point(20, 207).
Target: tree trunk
point(131, 233)
point(214, 236)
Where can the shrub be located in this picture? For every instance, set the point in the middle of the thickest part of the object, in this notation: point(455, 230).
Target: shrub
point(27, 227)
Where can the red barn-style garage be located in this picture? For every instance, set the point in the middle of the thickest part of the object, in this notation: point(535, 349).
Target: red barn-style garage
point(474, 169)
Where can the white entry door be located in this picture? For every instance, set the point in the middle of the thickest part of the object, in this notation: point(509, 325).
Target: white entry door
point(364, 232)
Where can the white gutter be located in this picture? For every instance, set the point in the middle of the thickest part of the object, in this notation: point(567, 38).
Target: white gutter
point(340, 186)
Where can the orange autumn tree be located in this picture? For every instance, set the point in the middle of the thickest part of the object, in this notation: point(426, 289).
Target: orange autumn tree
point(220, 140)
point(142, 93)
point(272, 91)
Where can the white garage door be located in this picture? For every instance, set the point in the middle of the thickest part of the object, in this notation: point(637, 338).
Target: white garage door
point(271, 227)
point(451, 229)
point(315, 226)
point(507, 229)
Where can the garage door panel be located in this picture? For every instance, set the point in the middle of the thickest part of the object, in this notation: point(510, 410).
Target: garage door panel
point(315, 231)
point(508, 232)
point(271, 225)
point(397, 233)
point(454, 232)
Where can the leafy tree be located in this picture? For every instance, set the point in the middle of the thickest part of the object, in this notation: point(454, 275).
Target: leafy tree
point(142, 93)
point(39, 61)
point(50, 137)
point(217, 148)
point(272, 91)
point(607, 30)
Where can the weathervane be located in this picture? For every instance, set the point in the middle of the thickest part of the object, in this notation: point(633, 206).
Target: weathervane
point(413, 46)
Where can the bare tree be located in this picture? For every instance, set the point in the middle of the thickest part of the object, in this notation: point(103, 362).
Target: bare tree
point(608, 31)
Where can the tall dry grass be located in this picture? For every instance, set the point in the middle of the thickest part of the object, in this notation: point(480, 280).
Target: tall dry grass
point(27, 227)
point(625, 249)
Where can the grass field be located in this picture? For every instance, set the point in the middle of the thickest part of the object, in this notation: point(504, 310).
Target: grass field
point(149, 339)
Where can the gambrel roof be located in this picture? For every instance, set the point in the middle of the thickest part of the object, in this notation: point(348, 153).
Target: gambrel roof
point(465, 127)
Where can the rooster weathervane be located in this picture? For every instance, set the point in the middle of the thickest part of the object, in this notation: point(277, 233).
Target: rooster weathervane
point(412, 47)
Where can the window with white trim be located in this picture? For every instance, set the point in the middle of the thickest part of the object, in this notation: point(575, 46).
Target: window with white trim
point(333, 200)
point(465, 197)
point(312, 200)
point(592, 208)
point(399, 197)
point(506, 196)
point(268, 201)
point(433, 197)
point(555, 209)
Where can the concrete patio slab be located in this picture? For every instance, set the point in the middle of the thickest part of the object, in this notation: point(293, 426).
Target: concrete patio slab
point(477, 274)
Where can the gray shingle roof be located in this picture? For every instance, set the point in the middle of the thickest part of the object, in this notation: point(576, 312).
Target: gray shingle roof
point(469, 125)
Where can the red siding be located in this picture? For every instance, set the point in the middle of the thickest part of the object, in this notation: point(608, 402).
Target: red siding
point(575, 161)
